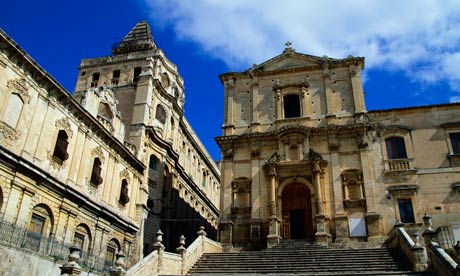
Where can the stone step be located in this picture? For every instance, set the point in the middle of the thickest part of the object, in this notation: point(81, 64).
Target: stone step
point(300, 258)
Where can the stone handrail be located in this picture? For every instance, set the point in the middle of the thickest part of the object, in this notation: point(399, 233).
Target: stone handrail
point(147, 265)
point(160, 262)
point(415, 252)
point(441, 263)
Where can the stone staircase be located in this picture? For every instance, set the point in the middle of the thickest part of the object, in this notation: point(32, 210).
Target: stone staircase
point(304, 258)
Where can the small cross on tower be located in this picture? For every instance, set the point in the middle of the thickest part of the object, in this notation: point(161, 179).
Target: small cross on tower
point(288, 47)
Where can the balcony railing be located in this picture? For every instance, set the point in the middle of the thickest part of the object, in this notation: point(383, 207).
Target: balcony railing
point(454, 160)
point(19, 237)
point(395, 165)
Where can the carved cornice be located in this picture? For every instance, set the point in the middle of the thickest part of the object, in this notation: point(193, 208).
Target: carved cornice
point(302, 84)
point(297, 128)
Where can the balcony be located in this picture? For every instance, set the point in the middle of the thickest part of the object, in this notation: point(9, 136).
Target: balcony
point(399, 165)
point(454, 160)
point(17, 237)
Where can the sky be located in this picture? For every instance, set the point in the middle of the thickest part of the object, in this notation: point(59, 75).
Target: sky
point(411, 48)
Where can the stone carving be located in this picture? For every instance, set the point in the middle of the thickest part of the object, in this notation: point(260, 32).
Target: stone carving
point(313, 155)
point(54, 163)
point(228, 153)
point(124, 174)
point(98, 152)
point(64, 124)
point(274, 158)
point(165, 80)
point(20, 86)
point(8, 132)
point(241, 185)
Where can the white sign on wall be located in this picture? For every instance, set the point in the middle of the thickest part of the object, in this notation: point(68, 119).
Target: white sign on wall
point(357, 227)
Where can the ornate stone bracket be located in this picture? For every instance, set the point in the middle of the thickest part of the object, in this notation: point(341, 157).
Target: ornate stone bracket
point(8, 132)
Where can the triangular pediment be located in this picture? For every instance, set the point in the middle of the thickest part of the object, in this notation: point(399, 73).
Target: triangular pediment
point(289, 59)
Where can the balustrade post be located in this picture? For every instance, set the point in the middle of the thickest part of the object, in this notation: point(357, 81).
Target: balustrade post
point(160, 248)
point(72, 268)
point(421, 258)
point(182, 251)
point(119, 265)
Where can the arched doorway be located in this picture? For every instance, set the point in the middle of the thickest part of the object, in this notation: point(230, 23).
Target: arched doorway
point(297, 212)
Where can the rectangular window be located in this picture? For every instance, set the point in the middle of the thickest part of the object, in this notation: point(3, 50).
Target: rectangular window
point(455, 142)
point(37, 224)
point(396, 148)
point(291, 106)
point(406, 211)
point(79, 240)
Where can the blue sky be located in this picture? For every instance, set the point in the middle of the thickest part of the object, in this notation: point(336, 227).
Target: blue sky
point(412, 49)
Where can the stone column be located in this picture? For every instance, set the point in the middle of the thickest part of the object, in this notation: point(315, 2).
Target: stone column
point(305, 102)
point(273, 237)
point(255, 107)
point(328, 91)
point(358, 95)
point(279, 103)
point(321, 236)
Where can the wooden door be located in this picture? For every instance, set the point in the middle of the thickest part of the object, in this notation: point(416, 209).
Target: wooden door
point(297, 213)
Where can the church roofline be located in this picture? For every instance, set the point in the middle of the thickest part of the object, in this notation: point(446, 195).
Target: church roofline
point(259, 69)
point(413, 108)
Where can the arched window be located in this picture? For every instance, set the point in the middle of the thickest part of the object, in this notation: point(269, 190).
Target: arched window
point(291, 106)
point(396, 148)
point(153, 162)
point(60, 149)
point(137, 72)
point(124, 197)
point(13, 110)
point(203, 182)
point(160, 114)
point(82, 237)
point(165, 80)
point(112, 248)
point(95, 79)
point(171, 132)
point(40, 225)
point(96, 178)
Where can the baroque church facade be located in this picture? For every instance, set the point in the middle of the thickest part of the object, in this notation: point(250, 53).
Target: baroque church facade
point(302, 158)
point(106, 167)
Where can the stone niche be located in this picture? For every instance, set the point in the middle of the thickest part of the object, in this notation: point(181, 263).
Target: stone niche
point(353, 189)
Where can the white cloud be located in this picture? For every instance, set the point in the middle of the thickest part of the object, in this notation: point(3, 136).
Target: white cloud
point(420, 37)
